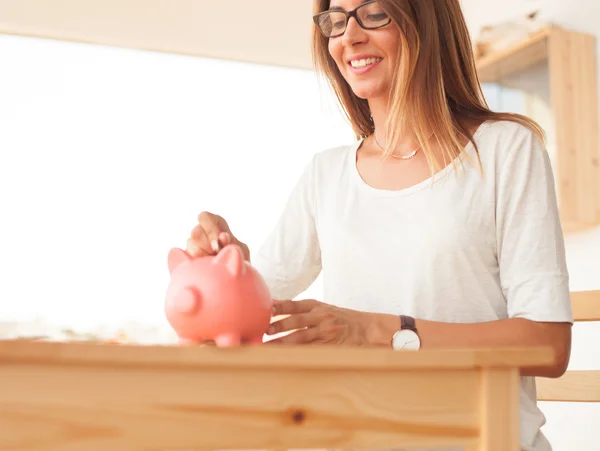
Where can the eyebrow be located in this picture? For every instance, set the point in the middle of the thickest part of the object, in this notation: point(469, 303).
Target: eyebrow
point(339, 8)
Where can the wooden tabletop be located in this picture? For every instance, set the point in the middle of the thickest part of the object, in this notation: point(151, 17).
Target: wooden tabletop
point(82, 396)
point(267, 356)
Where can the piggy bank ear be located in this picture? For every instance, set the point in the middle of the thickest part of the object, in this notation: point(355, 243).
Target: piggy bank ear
point(233, 259)
point(177, 257)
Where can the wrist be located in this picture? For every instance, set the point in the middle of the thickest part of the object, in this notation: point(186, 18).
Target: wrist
point(381, 329)
point(407, 337)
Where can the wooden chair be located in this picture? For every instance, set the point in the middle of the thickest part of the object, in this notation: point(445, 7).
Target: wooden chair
point(575, 386)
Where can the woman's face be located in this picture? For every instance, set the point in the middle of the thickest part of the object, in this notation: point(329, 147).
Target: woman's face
point(366, 58)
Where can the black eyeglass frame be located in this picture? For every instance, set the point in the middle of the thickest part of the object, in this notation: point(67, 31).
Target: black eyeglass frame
point(348, 14)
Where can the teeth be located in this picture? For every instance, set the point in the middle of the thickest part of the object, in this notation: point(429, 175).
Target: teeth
point(365, 62)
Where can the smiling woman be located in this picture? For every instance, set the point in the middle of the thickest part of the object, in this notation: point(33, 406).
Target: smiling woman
point(354, 63)
point(439, 226)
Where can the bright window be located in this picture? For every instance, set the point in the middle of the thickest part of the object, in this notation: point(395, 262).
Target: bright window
point(109, 154)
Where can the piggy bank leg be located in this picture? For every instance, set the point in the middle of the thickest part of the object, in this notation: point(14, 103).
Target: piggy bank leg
point(225, 340)
point(255, 340)
point(187, 342)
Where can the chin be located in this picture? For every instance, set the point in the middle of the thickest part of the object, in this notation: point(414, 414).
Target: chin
point(367, 92)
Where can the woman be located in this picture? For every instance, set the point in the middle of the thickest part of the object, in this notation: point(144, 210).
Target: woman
point(440, 221)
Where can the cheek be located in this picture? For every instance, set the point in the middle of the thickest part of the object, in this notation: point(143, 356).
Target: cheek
point(336, 51)
point(392, 45)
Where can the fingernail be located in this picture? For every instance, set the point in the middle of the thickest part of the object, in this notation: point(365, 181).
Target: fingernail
point(215, 245)
point(192, 249)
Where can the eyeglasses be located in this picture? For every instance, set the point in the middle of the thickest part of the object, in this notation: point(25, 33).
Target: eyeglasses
point(370, 15)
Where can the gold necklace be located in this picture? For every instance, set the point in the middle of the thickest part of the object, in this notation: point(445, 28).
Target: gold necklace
point(401, 157)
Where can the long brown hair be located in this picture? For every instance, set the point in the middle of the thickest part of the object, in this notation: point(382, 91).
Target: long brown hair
point(436, 80)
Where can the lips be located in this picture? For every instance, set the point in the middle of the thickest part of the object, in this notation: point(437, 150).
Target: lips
point(364, 63)
point(359, 63)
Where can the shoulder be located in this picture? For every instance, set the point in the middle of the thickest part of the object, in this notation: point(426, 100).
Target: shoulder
point(518, 160)
point(504, 136)
point(325, 168)
point(508, 145)
point(333, 155)
point(333, 161)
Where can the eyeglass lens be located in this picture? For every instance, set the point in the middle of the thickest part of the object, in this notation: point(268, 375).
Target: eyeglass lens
point(370, 15)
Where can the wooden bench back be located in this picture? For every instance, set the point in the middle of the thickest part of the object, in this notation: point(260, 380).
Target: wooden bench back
point(576, 386)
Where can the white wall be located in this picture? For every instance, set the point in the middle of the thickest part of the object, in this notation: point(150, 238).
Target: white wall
point(245, 29)
point(570, 426)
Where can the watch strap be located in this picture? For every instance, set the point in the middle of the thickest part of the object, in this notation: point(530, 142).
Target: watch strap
point(407, 322)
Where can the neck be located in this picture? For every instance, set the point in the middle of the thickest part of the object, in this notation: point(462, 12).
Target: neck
point(407, 142)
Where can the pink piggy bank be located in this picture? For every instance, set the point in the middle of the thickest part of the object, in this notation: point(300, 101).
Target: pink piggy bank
point(220, 298)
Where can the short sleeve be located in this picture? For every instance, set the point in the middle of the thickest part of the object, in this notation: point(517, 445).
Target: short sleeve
point(531, 249)
point(290, 258)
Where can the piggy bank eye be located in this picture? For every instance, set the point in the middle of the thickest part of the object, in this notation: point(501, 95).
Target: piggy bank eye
point(186, 300)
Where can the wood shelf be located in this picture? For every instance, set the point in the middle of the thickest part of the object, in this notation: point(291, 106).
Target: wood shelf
point(570, 59)
point(95, 397)
point(493, 68)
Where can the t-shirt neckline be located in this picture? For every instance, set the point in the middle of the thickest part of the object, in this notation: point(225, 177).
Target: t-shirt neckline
point(365, 187)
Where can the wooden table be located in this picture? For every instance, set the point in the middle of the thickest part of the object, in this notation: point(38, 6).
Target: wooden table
point(95, 397)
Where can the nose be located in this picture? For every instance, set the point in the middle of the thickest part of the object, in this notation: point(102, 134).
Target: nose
point(354, 33)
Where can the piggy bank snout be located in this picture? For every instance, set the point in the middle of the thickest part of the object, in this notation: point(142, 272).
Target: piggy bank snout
point(186, 301)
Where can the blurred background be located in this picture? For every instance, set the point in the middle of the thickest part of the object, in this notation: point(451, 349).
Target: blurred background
point(121, 120)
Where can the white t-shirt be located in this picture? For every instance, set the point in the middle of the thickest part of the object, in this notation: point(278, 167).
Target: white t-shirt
point(457, 248)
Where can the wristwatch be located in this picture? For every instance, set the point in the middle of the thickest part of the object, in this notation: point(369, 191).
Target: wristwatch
point(407, 338)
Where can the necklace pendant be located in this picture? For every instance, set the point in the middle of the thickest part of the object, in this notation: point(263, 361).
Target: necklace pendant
point(400, 157)
point(406, 157)
point(410, 155)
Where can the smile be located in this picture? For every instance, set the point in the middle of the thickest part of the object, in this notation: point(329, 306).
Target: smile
point(361, 66)
point(365, 62)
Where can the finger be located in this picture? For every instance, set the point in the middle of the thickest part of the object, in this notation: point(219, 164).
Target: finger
point(294, 322)
point(225, 238)
point(194, 250)
point(198, 243)
point(213, 225)
point(212, 228)
point(302, 336)
point(289, 307)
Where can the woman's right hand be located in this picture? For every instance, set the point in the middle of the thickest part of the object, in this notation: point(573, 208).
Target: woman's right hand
point(210, 235)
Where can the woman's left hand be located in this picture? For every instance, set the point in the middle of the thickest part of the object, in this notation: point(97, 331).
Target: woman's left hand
point(316, 322)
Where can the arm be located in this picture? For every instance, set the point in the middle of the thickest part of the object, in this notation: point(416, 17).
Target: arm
point(290, 258)
point(531, 262)
point(501, 333)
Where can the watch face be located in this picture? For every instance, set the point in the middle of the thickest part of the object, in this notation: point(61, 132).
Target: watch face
point(406, 340)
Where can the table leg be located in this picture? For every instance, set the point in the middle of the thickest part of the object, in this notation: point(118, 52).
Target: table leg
point(500, 410)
